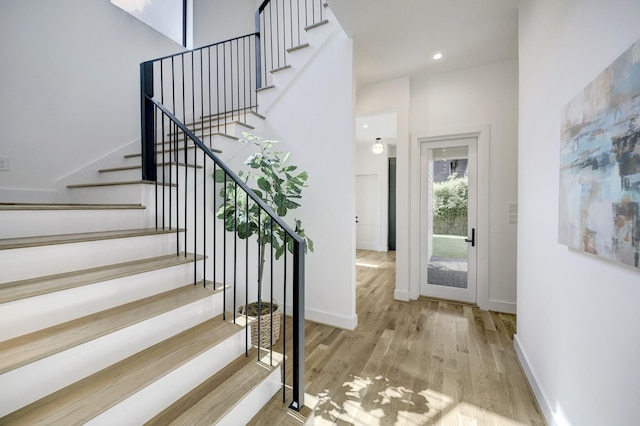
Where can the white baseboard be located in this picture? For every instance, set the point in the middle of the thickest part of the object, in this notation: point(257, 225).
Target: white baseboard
point(338, 321)
point(401, 295)
point(542, 401)
point(505, 307)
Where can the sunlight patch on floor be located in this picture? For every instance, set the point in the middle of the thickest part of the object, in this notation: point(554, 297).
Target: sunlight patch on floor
point(372, 402)
point(367, 265)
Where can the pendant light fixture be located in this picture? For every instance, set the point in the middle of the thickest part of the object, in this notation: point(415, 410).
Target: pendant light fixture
point(377, 147)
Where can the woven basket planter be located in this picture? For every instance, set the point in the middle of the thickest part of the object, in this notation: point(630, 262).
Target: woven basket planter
point(269, 332)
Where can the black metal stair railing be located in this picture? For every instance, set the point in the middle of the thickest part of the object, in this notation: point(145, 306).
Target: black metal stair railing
point(208, 88)
point(280, 25)
point(186, 100)
point(188, 198)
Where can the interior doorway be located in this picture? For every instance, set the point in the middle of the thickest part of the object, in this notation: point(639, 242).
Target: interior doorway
point(448, 219)
point(368, 220)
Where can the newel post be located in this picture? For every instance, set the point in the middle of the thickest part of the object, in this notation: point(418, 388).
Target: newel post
point(298, 326)
point(147, 122)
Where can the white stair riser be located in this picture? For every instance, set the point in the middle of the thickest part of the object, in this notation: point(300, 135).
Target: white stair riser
point(144, 405)
point(35, 313)
point(60, 370)
point(32, 262)
point(249, 406)
point(29, 223)
point(283, 77)
point(117, 194)
point(119, 175)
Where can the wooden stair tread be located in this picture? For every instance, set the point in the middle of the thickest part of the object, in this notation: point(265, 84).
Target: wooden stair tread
point(87, 398)
point(190, 146)
point(282, 68)
point(62, 206)
point(213, 124)
point(139, 167)
point(22, 289)
point(316, 25)
point(263, 88)
point(173, 411)
point(276, 412)
point(34, 346)
point(233, 382)
point(126, 182)
point(232, 113)
point(22, 242)
point(298, 47)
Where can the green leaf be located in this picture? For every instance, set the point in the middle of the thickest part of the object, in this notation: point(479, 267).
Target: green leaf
point(218, 176)
point(264, 184)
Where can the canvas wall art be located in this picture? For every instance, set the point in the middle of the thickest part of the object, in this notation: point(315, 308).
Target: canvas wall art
point(600, 164)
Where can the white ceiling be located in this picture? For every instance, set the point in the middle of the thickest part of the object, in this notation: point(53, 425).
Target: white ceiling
point(397, 38)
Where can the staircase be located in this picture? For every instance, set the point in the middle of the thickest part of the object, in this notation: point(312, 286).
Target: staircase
point(112, 313)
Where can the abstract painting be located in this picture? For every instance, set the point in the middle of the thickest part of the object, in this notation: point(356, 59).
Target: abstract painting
point(600, 164)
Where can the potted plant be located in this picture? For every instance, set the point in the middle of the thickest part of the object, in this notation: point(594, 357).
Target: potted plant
point(279, 184)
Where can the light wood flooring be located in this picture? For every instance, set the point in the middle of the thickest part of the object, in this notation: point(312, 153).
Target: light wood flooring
point(425, 362)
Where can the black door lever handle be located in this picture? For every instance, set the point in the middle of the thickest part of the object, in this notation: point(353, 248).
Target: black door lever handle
point(473, 238)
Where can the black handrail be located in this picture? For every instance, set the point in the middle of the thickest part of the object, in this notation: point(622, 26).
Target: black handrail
point(218, 83)
point(229, 172)
point(187, 138)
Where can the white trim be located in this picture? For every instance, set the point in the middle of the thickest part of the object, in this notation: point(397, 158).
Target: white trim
point(531, 378)
point(498, 306)
point(482, 132)
point(401, 295)
point(468, 294)
point(339, 321)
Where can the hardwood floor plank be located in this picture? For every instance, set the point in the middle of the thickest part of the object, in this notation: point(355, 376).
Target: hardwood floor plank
point(426, 362)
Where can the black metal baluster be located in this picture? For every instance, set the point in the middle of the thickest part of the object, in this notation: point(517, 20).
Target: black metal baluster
point(246, 275)
point(209, 111)
point(237, 78)
point(284, 322)
point(224, 251)
point(235, 242)
point(215, 241)
point(224, 81)
point(271, 291)
point(217, 84)
point(260, 271)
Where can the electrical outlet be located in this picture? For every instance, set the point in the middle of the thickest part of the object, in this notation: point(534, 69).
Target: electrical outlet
point(4, 163)
point(513, 218)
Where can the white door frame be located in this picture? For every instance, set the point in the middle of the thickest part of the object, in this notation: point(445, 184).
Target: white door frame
point(468, 294)
point(482, 133)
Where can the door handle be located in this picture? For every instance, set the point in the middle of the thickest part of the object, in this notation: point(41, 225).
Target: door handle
point(473, 238)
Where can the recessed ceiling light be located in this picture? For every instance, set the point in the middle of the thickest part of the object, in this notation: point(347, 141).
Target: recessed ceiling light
point(365, 126)
point(437, 56)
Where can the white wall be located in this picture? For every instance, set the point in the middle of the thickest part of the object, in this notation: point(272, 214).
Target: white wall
point(220, 20)
point(69, 79)
point(578, 317)
point(477, 98)
point(323, 93)
point(70, 72)
point(394, 96)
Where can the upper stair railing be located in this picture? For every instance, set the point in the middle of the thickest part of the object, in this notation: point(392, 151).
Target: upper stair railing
point(186, 100)
point(205, 88)
point(280, 25)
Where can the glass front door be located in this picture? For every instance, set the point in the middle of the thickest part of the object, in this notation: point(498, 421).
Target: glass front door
point(448, 219)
